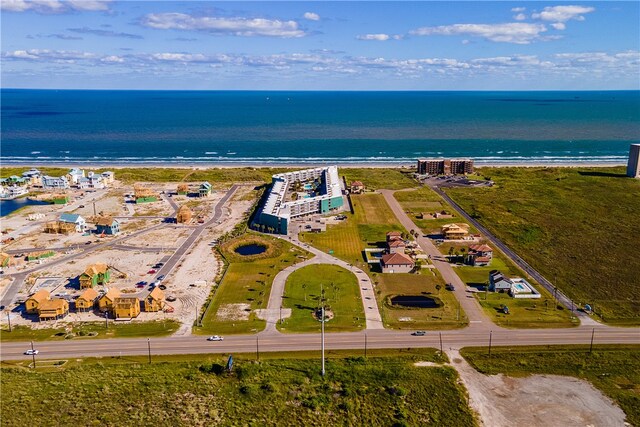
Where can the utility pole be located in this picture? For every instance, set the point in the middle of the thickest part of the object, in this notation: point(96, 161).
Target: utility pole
point(257, 348)
point(365, 344)
point(106, 320)
point(322, 320)
point(593, 331)
point(490, 334)
point(149, 347)
point(94, 209)
point(33, 355)
point(441, 352)
point(9, 320)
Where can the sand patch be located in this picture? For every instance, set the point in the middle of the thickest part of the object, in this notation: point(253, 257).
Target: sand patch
point(228, 312)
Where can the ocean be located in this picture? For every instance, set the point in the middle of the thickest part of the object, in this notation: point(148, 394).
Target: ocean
point(78, 127)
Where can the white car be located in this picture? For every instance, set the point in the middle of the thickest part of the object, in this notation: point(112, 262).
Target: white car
point(31, 352)
point(215, 338)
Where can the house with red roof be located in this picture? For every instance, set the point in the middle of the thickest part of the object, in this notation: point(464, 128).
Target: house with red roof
point(357, 187)
point(397, 263)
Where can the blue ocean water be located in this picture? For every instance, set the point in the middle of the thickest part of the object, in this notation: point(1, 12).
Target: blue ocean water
point(229, 127)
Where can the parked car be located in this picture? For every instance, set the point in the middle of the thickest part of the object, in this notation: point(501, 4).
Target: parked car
point(31, 352)
point(450, 287)
point(81, 206)
point(160, 277)
point(419, 333)
point(215, 338)
point(152, 271)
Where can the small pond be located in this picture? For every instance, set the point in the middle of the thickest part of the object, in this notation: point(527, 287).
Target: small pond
point(414, 301)
point(8, 206)
point(252, 249)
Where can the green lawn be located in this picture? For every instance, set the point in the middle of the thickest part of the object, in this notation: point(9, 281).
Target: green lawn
point(91, 330)
point(366, 228)
point(246, 285)
point(380, 178)
point(614, 370)
point(446, 317)
point(577, 224)
point(342, 294)
point(195, 391)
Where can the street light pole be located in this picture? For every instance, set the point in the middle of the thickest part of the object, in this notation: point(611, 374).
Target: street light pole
point(149, 347)
point(322, 320)
point(33, 355)
point(9, 320)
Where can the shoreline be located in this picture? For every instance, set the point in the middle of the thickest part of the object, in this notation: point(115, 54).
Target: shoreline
point(296, 165)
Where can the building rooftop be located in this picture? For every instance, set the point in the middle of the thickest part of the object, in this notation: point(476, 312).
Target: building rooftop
point(89, 294)
point(397, 259)
point(72, 218)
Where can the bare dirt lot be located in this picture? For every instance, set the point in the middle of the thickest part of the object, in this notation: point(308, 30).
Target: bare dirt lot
point(535, 401)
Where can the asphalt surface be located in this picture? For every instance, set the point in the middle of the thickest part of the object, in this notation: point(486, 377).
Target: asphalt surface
point(456, 339)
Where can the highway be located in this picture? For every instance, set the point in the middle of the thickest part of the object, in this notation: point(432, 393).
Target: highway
point(271, 342)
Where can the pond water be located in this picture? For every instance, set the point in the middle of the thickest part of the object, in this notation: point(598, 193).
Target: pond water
point(8, 206)
point(252, 249)
point(414, 301)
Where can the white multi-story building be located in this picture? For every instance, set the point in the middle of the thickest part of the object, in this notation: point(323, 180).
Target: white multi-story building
point(633, 167)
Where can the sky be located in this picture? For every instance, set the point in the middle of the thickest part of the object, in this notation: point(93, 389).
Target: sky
point(321, 45)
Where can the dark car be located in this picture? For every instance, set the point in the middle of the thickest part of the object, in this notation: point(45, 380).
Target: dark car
point(450, 287)
point(419, 333)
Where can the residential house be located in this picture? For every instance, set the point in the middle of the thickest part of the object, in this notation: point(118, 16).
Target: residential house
point(397, 263)
point(34, 176)
point(106, 301)
point(95, 180)
point(87, 300)
point(357, 187)
point(126, 307)
point(154, 301)
point(455, 231)
point(33, 302)
point(107, 225)
point(53, 309)
point(394, 235)
point(480, 255)
point(13, 191)
point(183, 189)
point(74, 219)
point(108, 177)
point(74, 175)
point(55, 182)
point(396, 246)
point(84, 183)
point(498, 282)
point(184, 214)
point(95, 274)
point(205, 189)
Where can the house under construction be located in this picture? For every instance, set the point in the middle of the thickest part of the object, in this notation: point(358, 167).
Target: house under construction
point(183, 189)
point(59, 227)
point(144, 195)
point(184, 215)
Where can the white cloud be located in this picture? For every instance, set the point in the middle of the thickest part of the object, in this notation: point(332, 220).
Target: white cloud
point(377, 37)
point(518, 9)
point(563, 13)
point(223, 25)
point(516, 32)
point(48, 55)
point(559, 25)
point(54, 6)
point(520, 17)
point(311, 16)
point(113, 59)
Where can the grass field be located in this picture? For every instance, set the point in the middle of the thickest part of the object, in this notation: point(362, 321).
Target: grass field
point(424, 283)
point(614, 370)
point(91, 330)
point(579, 225)
point(366, 228)
point(247, 281)
point(380, 178)
point(341, 292)
point(196, 391)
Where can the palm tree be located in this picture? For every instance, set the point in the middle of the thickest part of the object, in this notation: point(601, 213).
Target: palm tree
point(438, 287)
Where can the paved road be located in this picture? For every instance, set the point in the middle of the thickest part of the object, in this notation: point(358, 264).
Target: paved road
point(189, 242)
point(562, 298)
point(467, 301)
point(293, 342)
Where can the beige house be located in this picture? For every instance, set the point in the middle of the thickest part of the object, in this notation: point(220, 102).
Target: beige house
point(397, 263)
point(106, 301)
point(53, 309)
point(87, 300)
point(126, 307)
point(455, 231)
point(154, 301)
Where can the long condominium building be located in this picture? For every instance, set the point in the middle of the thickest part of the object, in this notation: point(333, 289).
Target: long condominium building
point(444, 166)
point(633, 167)
point(318, 190)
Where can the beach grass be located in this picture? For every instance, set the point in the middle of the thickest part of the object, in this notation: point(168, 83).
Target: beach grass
point(197, 390)
point(89, 330)
point(342, 299)
point(246, 285)
point(577, 226)
point(448, 316)
point(380, 178)
point(614, 370)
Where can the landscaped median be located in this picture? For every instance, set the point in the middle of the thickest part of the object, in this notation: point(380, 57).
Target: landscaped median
point(342, 300)
point(246, 284)
point(386, 388)
point(91, 330)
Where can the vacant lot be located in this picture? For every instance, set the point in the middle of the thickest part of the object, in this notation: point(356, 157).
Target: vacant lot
point(613, 370)
point(366, 228)
point(195, 391)
point(92, 330)
point(380, 178)
point(246, 285)
point(424, 284)
point(341, 295)
point(578, 225)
